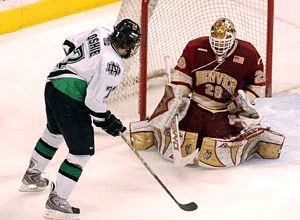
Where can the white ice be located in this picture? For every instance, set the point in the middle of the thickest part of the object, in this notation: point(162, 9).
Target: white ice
point(10, 4)
point(115, 184)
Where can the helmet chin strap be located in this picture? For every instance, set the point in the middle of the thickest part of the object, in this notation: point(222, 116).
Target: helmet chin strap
point(127, 55)
point(219, 59)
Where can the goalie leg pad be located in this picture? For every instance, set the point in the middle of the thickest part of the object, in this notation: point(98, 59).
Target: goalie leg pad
point(141, 135)
point(214, 152)
point(218, 153)
point(187, 142)
point(270, 145)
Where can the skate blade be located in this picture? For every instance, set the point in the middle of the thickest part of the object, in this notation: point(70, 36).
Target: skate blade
point(57, 215)
point(31, 188)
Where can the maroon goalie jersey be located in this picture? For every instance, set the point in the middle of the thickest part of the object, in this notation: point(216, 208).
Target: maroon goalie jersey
point(213, 83)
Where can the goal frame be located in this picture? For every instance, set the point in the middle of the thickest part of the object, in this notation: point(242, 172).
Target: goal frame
point(143, 55)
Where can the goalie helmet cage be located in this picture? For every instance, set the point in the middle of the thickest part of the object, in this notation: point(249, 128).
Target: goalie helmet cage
point(167, 26)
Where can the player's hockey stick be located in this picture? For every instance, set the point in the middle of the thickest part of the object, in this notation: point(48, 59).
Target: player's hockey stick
point(186, 207)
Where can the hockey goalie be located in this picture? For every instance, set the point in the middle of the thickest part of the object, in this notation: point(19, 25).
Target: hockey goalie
point(207, 114)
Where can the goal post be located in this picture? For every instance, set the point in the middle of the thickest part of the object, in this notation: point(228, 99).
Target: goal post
point(168, 25)
point(269, 48)
point(143, 60)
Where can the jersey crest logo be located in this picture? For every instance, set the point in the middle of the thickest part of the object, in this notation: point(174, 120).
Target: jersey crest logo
point(113, 68)
point(181, 63)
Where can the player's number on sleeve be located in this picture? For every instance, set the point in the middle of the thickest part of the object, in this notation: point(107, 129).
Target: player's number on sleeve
point(259, 77)
point(109, 89)
point(215, 91)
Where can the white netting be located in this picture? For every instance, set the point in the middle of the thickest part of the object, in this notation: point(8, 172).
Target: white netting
point(172, 23)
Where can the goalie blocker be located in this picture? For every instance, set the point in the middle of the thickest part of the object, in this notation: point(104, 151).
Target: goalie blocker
point(213, 152)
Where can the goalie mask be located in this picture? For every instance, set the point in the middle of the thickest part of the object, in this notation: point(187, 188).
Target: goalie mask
point(126, 35)
point(222, 36)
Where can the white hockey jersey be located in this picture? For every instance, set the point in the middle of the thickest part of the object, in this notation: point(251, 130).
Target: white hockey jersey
point(91, 70)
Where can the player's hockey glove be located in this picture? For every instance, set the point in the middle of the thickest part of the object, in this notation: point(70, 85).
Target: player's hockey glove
point(111, 124)
point(242, 112)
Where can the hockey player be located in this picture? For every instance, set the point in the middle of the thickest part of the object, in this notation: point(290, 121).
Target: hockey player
point(75, 96)
point(212, 92)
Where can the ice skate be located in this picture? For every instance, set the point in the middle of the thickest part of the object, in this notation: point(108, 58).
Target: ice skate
point(59, 208)
point(32, 180)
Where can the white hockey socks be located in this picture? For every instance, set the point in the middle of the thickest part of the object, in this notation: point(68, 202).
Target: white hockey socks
point(69, 173)
point(45, 149)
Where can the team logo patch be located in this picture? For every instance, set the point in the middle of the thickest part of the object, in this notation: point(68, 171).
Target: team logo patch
point(238, 59)
point(207, 155)
point(113, 68)
point(181, 63)
point(188, 149)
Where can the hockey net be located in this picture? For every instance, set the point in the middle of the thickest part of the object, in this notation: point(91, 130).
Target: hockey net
point(171, 24)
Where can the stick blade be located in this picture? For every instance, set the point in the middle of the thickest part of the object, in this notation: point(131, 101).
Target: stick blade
point(188, 207)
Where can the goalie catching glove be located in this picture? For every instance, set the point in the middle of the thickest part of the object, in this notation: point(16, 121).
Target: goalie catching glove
point(242, 112)
point(109, 123)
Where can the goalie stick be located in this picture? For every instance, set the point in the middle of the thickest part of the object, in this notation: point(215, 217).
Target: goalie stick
point(179, 161)
point(186, 207)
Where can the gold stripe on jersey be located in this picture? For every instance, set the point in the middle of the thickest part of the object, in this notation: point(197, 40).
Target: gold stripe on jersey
point(208, 104)
point(179, 76)
point(207, 76)
point(257, 91)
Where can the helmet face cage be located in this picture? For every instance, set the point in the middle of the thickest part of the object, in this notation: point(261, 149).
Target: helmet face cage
point(126, 35)
point(222, 36)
